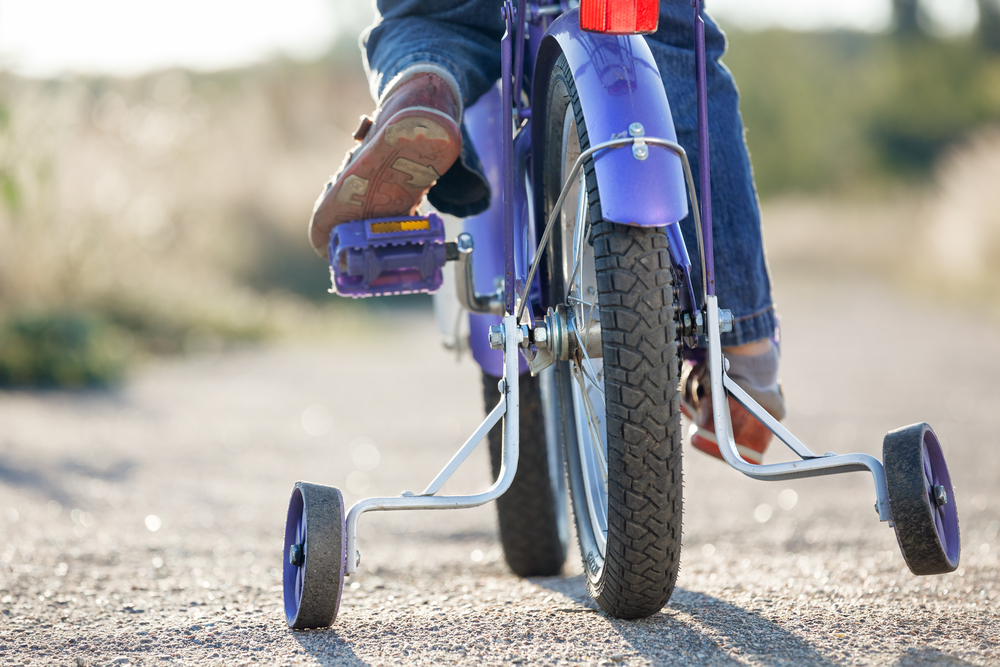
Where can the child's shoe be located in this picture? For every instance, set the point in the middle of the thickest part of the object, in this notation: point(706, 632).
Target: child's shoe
point(412, 141)
point(752, 437)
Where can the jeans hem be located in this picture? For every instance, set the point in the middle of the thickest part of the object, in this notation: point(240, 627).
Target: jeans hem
point(753, 327)
point(379, 84)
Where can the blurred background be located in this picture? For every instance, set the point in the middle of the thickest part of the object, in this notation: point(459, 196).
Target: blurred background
point(158, 162)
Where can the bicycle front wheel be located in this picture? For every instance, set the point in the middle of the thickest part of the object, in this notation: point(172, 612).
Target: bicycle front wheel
point(617, 401)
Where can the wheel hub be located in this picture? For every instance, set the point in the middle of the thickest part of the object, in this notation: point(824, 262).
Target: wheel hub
point(297, 554)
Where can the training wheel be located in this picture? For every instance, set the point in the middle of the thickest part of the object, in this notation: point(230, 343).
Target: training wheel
point(315, 555)
point(921, 500)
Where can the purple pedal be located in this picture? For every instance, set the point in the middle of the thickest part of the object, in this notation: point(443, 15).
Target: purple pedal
point(387, 256)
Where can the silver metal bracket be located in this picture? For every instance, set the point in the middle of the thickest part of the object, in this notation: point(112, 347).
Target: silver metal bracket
point(465, 283)
point(640, 151)
point(811, 464)
point(633, 141)
point(506, 409)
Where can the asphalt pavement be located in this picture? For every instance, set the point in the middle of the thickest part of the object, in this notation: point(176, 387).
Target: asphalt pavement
point(143, 525)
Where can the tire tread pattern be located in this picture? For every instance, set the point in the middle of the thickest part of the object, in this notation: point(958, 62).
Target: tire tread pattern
point(642, 374)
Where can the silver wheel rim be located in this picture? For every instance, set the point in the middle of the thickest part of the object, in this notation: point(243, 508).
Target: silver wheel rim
point(579, 276)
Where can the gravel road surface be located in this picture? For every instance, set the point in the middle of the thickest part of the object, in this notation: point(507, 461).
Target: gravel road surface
point(143, 526)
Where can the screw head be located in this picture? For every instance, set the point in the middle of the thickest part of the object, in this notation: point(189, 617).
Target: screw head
point(640, 152)
point(940, 495)
point(636, 130)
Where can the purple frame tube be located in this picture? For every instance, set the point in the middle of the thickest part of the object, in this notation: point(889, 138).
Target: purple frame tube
point(703, 157)
point(509, 286)
point(519, 58)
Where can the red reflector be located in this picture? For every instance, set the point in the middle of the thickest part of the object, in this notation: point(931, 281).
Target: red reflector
point(620, 17)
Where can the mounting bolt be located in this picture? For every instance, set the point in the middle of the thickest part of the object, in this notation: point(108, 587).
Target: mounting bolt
point(940, 495)
point(496, 337)
point(524, 336)
point(357, 558)
point(541, 334)
point(640, 151)
point(725, 320)
point(693, 324)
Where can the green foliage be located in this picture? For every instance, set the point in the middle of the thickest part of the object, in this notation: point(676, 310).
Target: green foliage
point(60, 348)
point(843, 111)
point(10, 193)
point(941, 91)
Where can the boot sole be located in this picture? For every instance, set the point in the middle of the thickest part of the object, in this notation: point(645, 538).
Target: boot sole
point(391, 173)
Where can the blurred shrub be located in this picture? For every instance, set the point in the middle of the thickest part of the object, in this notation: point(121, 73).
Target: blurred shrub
point(963, 234)
point(171, 207)
point(60, 348)
point(841, 112)
point(941, 93)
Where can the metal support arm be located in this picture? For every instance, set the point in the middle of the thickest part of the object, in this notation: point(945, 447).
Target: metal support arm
point(810, 466)
point(508, 407)
point(465, 282)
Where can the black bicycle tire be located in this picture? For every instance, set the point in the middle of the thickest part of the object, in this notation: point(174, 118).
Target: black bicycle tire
point(638, 311)
point(528, 514)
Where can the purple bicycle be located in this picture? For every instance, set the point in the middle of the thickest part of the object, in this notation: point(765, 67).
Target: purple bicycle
point(581, 304)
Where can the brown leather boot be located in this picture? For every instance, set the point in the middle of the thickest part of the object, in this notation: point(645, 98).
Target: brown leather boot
point(412, 141)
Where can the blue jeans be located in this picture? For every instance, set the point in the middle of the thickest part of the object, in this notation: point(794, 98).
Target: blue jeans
point(463, 36)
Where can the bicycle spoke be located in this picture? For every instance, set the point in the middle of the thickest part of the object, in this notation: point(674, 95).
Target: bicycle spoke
point(580, 227)
point(581, 302)
point(594, 426)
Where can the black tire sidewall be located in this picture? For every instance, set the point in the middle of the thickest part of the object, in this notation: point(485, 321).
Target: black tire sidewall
point(912, 514)
point(325, 556)
point(531, 517)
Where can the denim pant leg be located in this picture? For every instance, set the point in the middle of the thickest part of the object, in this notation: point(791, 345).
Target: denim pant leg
point(741, 274)
point(464, 38)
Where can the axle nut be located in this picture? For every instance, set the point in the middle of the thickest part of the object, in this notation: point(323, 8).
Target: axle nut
point(541, 334)
point(725, 320)
point(496, 337)
point(297, 554)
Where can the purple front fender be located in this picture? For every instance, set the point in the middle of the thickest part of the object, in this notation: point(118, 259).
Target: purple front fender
point(619, 84)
